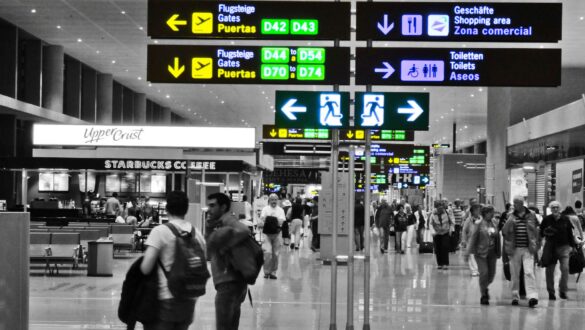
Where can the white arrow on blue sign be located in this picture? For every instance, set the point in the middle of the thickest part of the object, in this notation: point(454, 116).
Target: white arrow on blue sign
point(388, 70)
point(289, 109)
point(384, 27)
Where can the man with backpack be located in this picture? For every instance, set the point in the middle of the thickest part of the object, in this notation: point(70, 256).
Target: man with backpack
point(176, 251)
point(223, 232)
point(271, 221)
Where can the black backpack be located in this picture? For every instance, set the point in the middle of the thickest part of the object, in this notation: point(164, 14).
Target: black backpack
point(247, 259)
point(271, 225)
point(188, 275)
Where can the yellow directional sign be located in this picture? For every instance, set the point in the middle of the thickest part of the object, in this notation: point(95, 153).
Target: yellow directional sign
point(177, 69)
point(349, 134)
point(173, 22)
point(202, 23)
point(202, 68)
point(273, 133)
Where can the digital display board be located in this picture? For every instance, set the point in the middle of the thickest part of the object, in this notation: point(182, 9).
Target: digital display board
point(272, 132)
point(457, 21)
point(283, 20)
point(402, 111)
point(248, 65)
point(459, 67)
point(312, 109)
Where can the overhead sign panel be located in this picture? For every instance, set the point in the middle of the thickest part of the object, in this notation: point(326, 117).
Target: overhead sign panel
point(376, 135)
point(272, 132)
point(248, 65)
point(459, 67)
point(456, 21)
point(283, 20)
point(299, 109)
point(404, 111)
point(143, 136)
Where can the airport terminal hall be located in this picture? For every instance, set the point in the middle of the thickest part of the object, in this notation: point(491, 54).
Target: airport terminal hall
point(292, 164)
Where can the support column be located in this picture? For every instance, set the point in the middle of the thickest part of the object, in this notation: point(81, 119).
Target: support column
point(140, 108)
point(105, 98)
point(8, 149)
point(8, 58)
point(88, 94)
point(53, 78)
point(30, 68)
point(454, 137)
point(166, 116)
point(498, 120)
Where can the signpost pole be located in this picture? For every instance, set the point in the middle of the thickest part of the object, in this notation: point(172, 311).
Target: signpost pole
point(350, 254)
point(24, 192)
point(367, 203)
point(334, 169)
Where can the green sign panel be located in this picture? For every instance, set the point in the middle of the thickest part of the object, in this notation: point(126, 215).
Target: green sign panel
point(299, 109)
point(393, 111)
point(270, 132)
point(284, 20)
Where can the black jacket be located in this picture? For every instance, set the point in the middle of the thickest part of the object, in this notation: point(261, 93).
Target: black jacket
point(139, 302)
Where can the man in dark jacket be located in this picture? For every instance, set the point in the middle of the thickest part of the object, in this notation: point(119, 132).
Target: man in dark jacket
point(359, 224)
point(558, 232)
point(383, 222)
point(224, 231)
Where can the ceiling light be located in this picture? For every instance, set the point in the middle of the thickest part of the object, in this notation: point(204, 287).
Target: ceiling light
point(113, 61)
point(126, 70)
point(139, 78)
point(465, 126)
point(140, 28)
point(581, 18)
point(79, 40)
point(168, 96)
point(97, 51)
point(222, 101)
point(156, 41)
point(480, 89)
point(271, 107)
point(263, 92)
point(386, 44)
point(149, 84)
point(123, 12)
point(34, 11)
point(231, 42)
point(452, 109)
point(59, 27)
point(472, 95)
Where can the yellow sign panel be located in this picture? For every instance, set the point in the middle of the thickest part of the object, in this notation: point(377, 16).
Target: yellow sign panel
point(282, 133)
point(202, 67)
point(359, 135)
point(202, 23)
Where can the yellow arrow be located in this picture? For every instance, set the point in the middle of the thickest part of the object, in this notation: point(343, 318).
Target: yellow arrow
point(173, 22)
point(349, 134)
point(273, 133)
point(177, 70)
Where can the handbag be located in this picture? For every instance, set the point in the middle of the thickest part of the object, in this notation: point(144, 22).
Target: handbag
point(547, 258)
point(576, 261)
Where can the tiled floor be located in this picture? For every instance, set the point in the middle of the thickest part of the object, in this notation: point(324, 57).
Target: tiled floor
point(407, 292)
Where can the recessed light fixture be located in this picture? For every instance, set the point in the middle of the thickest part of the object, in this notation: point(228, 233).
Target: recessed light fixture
point(79, 40)
point(113, 61)
point(149, 84)
point(452, 110)
point(442, 117)
point(168, 96)
point(581, 18)
point(139, 78)
point(34, 11)
point(97, 51)
point(123, 12)
point(140, 28)
point(480, 89)
point(465, 126)
point(222, 101)
point(156, 41)
point(59, 27)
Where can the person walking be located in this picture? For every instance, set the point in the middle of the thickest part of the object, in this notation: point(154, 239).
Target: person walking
point(557, 230)
point(411, 229)
point(359, 224)
point(421, 221)
point(296, 214)
point(458, 219)
point(485, 247)
point(223, 232)
point(174, 312)
point(383, 221)
point(113, 206)
point(468, 227)
point(521, 244)
point(443, 227)
point(316, 238)
point(271, 221)
point(400, 227)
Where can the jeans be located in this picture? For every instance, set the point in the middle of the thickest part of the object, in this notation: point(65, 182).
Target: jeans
point(410, 235)
point(384, 237)
point(523, 258)
point(487, 271)
point(173, 315)
point(458, 229)
point(316, 239)
point(359, 238)
point(228, 301)
point(561, 254)
point(295, 231)
point(398, 241)
point(271, 244)
point(442, 244)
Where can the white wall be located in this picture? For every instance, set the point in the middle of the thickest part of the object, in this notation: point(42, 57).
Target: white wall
point(565, 193)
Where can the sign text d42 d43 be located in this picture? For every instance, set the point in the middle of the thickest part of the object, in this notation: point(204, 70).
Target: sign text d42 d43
point(283, 20)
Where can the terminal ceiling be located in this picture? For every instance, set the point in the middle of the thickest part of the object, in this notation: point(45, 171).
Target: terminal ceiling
point(110, 36)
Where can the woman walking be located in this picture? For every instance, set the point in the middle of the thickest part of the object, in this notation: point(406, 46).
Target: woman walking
point(484, 244)
point(443, 227)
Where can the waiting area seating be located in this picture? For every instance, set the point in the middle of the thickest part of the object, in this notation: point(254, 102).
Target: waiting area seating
point(53, 249)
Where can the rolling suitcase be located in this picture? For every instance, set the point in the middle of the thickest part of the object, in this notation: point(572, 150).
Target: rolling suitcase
point(426, 246)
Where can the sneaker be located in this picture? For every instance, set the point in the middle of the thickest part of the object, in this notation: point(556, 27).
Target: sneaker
point(551, 296)
point(474, 274)
point(514, 302)
point(532, 303)
point(272, 277)
point(484, 301)
point(296, 247)
point(266, 275)
point(563, 295)
point(402, 252)
point(382, 251)
point(445, 267)
point(439, 267)
point(292, 246)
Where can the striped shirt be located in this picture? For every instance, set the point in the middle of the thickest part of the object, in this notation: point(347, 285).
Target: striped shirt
point(458, 216)
point(521, 233)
